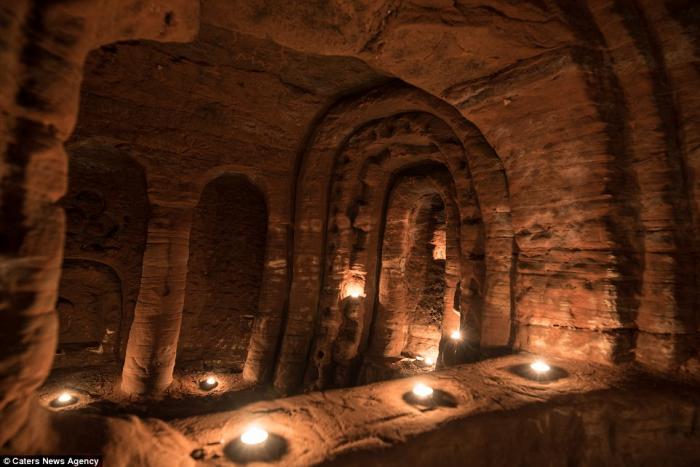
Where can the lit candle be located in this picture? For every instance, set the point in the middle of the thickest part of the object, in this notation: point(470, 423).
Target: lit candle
point(540, 367)
point(209, 383)
point(254, 435)
point(64, 399)
point(354, 290)
point(422, 391)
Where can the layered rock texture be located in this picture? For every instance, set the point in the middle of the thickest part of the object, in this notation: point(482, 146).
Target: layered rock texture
point(301, 196)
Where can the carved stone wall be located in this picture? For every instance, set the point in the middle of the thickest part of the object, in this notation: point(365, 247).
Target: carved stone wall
point(367, 158)
point(416, 308)
point(89, 315)
point(107, 211)
point(245, 112)
point(45, 47)
point(592, 110)
point(425, 278)
point(569, 130)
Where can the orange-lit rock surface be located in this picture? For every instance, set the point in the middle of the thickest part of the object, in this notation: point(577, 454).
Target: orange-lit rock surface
point(594, 415)
point(314, 196)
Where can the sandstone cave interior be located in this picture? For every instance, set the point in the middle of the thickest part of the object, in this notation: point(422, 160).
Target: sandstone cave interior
point(351, 232)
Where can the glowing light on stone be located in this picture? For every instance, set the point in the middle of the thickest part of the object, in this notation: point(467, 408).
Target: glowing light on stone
point(422, 391)
point(254, 435)
point(209, 383)
point(439, 245)
point(429, 361)
point(354, 290)
point(64, 399)
point(540, 367)
point(456, 335)
point(419, 358)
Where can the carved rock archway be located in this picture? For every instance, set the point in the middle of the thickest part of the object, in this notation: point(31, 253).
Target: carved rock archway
point(89, 312)
point(419, 296)
point(466, 154)
point(225, 273)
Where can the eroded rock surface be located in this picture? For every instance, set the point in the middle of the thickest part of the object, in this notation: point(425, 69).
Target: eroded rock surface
point(308, 195)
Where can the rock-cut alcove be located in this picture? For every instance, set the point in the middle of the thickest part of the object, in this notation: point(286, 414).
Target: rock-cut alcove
point(350, 232)
point(374, 139)
point(89, 311)
point(106, 214)
point(416, 319)
point(225, 272)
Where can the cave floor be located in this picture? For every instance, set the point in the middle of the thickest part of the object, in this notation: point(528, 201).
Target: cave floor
point(98, 393)
point(493, 412)
point(483, 408)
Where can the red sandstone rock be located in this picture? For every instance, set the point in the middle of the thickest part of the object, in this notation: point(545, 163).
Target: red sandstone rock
point(205, 191)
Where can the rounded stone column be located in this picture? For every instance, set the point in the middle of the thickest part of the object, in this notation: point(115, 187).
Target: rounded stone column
point(152, 346)
point(259, 365)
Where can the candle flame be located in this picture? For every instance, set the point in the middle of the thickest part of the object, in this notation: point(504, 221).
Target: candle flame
point(354, 290)
point(422, 391)
point(540, 367)
point(254, 435)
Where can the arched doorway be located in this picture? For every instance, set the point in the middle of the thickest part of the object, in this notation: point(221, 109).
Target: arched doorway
point(344, 173)
point(107, 210)
point(417, 310)
point(89, 312)
point(225, 271)
point(422, 149)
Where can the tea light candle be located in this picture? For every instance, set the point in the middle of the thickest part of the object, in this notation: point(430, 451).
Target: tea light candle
point(422, 391)
point(209, 383)
point(540, 367)
point(64, 399)
point(254, 435)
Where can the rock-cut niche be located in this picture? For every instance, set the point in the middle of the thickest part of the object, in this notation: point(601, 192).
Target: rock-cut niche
point(89, 310)
point(225, 271)
point(418, 306)
point(106, 217)
point(404, 229)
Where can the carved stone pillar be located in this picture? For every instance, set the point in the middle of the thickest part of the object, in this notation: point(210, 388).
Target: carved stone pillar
point(152, 346)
